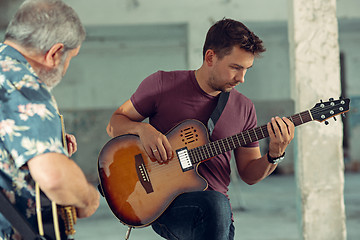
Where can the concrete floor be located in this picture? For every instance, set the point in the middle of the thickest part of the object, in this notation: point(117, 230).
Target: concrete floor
point(265, 211)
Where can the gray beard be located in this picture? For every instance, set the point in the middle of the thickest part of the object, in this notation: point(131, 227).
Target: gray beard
point(51, 78)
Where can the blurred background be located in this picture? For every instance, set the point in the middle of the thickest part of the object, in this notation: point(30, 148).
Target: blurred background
point(129, 39)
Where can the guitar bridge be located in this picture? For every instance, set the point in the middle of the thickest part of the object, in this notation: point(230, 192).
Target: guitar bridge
point(143, 174)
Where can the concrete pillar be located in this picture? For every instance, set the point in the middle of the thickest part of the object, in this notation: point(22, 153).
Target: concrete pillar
point(315, 75)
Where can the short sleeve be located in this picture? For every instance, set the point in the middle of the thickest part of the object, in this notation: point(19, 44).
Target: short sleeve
point(251, 123)
point(147, 95)
point(29, 123)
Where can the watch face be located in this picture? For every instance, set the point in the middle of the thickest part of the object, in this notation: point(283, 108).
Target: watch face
point(278, 160)
point(275, 160)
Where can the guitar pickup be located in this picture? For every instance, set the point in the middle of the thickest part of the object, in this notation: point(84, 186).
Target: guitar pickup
point(184, 159)
point(143, 174)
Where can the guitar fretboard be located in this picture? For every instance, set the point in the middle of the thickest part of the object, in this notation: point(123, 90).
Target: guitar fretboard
point(244, 138)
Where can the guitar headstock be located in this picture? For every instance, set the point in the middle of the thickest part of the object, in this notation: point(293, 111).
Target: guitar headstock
point(325, 110)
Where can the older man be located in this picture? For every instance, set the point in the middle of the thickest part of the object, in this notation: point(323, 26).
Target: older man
point(40, 41)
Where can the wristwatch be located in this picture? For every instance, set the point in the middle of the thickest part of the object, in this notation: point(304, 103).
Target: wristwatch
point(275, 160)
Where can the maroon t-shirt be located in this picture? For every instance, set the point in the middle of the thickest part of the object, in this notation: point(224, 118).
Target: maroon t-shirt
point(168, 98)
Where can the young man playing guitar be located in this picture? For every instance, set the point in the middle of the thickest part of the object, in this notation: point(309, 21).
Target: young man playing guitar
point(40, 41)
point(168, 98)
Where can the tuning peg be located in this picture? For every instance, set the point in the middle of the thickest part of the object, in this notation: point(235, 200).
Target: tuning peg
point(326, 123)
point(343, 115)
point(335, 118)
point(321, 100)
point(331, 99)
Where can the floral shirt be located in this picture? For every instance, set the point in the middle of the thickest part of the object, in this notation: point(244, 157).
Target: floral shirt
point(29, 126)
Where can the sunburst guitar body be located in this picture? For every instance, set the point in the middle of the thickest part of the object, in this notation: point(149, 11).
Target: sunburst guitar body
point(137, 188)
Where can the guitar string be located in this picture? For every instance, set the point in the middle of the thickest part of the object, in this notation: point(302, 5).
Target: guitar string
point(155, 168)
point(319, 110)
point(234, 141)
point(201, 151)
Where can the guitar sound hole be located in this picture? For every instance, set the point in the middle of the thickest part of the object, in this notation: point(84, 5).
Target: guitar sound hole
point(188, 135)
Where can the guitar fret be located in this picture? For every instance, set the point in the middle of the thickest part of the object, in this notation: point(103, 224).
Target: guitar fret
point(311, 117)
point(214, 148)
point(228, 143)
point(197, 159)
point(211, 149)
point(243, 138)
point(301, 118)
point(291, 119)
point(200, 152)
point(197, 155)
point(219, 147)
point(234, 145)
point(249, 136)
point(223, 145)
point(239, 139)
point(207, 150)
point(262, 133)
point(237, 142)
point(192, 156)
point(203, 154)
point(223, 148)
point(203, 148)
point(255, 134)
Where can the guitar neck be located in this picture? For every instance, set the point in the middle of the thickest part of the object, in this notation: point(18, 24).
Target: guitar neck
point(244, 138)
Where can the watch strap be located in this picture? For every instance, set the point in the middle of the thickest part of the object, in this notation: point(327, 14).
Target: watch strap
point(275, 160)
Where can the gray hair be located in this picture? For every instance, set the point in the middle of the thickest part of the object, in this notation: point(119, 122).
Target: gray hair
point(40, 24)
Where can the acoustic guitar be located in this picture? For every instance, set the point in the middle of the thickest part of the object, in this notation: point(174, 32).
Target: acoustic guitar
point(138, 189)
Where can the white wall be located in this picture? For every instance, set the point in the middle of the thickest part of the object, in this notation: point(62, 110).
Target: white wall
point(269, 77)
point(113, 61)
point(199, 15)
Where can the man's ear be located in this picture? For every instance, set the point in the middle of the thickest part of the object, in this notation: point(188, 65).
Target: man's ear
point(209, 57)
point(54, 55)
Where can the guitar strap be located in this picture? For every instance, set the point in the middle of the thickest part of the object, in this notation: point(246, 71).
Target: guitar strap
point(16, 219)
point(214, 117)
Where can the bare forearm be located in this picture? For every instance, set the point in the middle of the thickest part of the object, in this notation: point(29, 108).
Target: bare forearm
point(120, 124)
point(62, 180)
point(253, 167)
point(71, 188)
point(126, 120)
point(257, 170)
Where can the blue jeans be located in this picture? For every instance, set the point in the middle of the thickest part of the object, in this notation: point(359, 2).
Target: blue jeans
point(197, 215)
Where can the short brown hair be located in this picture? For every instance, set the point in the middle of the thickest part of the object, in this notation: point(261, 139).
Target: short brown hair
point(227, 33)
